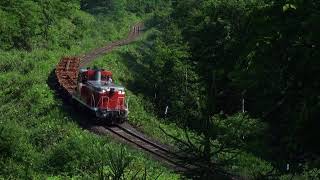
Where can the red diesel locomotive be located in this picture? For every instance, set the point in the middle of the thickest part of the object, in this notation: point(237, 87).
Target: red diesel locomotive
point(100, 95)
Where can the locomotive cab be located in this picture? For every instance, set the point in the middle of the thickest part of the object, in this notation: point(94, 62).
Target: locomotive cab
point(97, 91)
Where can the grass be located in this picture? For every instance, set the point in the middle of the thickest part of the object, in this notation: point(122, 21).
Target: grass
point(39, 136)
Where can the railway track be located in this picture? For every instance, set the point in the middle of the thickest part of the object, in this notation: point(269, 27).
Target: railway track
point(159, 151)
point(133, 34)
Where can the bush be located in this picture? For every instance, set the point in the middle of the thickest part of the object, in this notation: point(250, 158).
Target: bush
point(76, 154)
point(17, 156)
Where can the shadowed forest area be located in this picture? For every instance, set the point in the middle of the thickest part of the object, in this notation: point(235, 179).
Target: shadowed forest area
point(235, 84)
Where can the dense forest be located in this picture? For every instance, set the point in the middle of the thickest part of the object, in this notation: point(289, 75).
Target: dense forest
point(214, 59)
point(235, 83)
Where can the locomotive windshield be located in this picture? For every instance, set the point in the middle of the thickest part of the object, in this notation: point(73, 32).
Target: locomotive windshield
point(105, 85)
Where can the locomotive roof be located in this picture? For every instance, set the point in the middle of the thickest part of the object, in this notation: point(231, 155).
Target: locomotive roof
point(105, 72)
point(104, 85)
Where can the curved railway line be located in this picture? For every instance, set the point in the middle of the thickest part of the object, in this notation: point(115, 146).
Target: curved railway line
point(129, 135)
point(66, 73)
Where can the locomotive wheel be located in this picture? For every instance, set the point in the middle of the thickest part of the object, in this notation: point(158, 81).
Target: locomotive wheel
point(99, 121)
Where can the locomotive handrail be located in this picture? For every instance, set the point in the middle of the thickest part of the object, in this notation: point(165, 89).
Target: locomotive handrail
point(99, 101)
point(92, 97)
point(105, 97)
point(118, 103)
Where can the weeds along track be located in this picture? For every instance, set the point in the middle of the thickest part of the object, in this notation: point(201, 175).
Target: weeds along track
point(130, 135)
point(133, 34)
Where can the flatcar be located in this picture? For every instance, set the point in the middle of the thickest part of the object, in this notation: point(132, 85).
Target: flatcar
point(97, 91)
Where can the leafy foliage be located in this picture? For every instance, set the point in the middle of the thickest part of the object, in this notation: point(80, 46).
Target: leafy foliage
point(31, 24)
point(205, 60)
point(39, 137)
point(255, 56)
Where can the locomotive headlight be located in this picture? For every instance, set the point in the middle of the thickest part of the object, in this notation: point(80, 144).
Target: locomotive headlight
point(121, 92)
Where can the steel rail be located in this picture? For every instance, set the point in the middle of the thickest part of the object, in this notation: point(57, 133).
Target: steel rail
point(149, 146)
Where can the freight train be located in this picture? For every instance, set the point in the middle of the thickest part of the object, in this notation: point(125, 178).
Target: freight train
point(97, 91)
